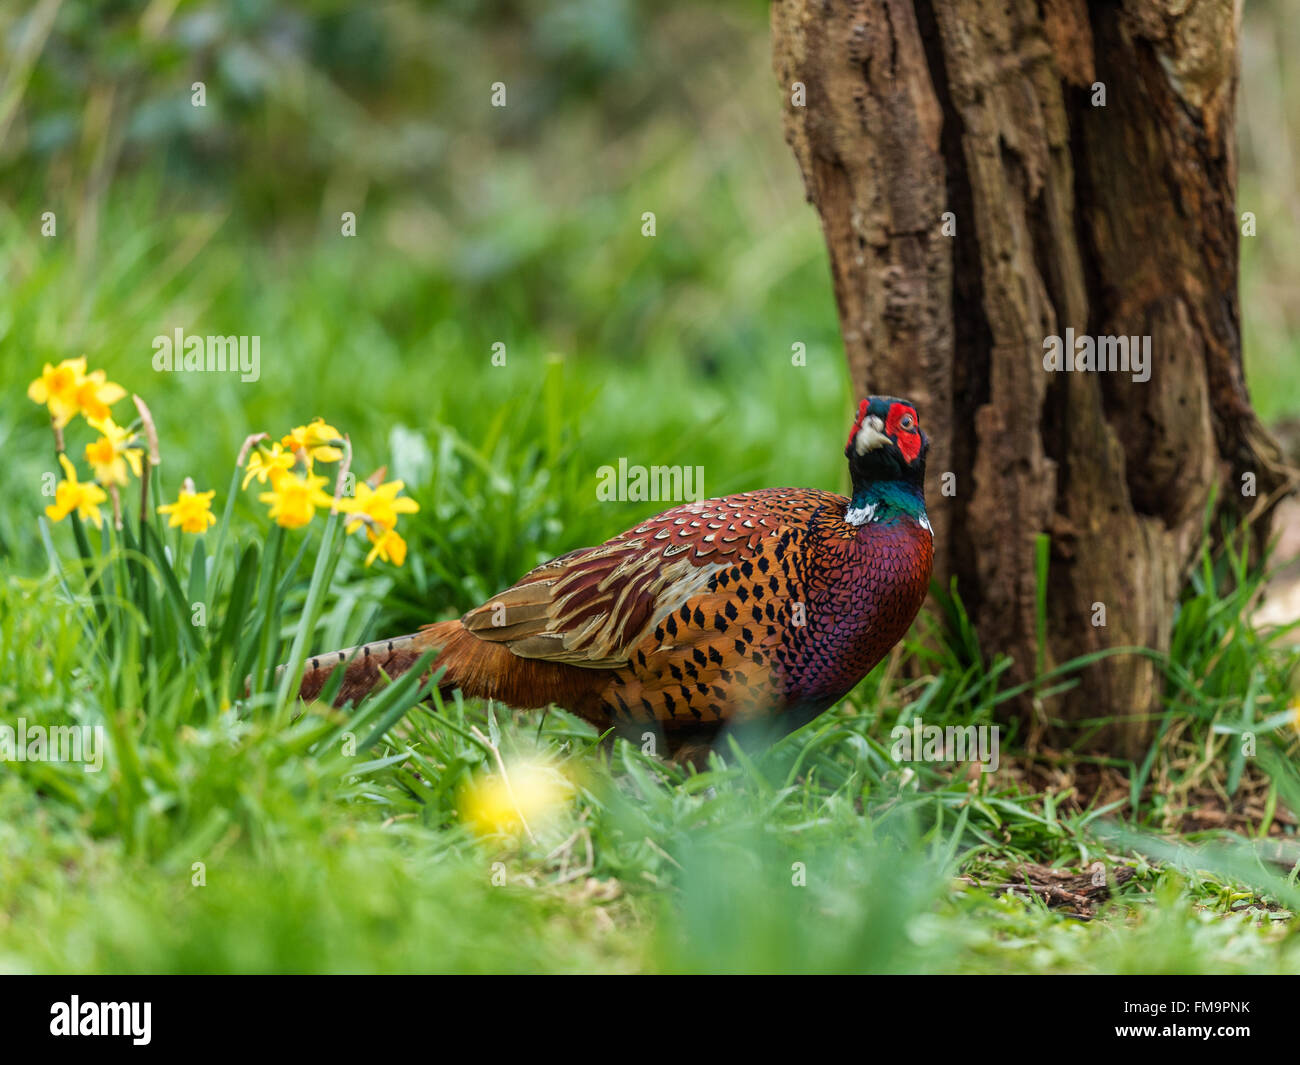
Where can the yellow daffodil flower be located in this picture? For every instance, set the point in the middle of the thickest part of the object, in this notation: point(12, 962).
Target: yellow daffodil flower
point(294, 499)
point(379, 506)
point(57, 389)
point(72, 495)
point(110, 455)
point(314, 439)
point(528, 794)
point(96, 394)
point(268, 465)
point(192, 511)
point(67, 390)
point(388, 545)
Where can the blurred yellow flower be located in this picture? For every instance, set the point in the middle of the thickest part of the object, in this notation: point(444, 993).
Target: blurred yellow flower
point(388, 545)
point(526, 795)
point(314, 439)
point(270, 465)
point(192, 511)
point(379, 506)
point(68, 390)
point(294, 499)
point(72, 495)
point(110, 455)
point(57, 389)
point(96, 394)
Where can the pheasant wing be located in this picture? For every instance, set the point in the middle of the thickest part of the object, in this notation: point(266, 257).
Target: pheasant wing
point(592, 606)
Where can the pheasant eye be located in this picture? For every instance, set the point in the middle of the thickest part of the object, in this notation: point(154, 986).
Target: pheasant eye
point(907, 423)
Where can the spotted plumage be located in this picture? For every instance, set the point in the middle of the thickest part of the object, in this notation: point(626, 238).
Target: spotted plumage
point(764, 607)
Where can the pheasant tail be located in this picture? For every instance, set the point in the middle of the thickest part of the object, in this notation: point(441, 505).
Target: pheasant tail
point(480, 669)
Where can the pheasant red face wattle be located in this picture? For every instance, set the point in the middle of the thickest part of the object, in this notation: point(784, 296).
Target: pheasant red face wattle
point(901, 426)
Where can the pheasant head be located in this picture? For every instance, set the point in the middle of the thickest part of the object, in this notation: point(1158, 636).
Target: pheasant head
point(886, 452)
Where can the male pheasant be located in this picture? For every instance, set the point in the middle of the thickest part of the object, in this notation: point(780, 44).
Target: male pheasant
point(762, 608)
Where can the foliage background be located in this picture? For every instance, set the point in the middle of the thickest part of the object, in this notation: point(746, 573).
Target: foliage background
point(476, 225)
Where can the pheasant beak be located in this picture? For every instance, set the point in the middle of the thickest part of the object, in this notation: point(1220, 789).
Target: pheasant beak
point(870, 436)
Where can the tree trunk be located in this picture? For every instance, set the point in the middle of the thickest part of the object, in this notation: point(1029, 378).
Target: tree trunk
point(989, 174)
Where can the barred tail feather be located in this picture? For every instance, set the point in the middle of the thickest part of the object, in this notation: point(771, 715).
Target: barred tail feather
point(364, 666)
point(477, 667)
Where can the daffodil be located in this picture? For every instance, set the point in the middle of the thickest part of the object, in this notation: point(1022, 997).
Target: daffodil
point(268, 465)
point(314, 439)
point(71, 494)
point(67, 390)
point(57, 389)
point(96, 394)
point(294, 499)
point(528, 792)
point(192, 511)
point(377, 506)
point(111, 454)
point(388, 545)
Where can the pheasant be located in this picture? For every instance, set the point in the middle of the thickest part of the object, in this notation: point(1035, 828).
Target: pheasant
point(757, 609)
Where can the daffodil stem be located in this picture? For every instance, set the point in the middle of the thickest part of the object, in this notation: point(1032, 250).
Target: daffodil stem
point(226, 511)
point(219, 547)
point(79, 535)
point(145, 467)
point(152, 458)
point(270, 614)
point(83, 541)
point(121, 569)
point(94, 581)
point(321, 578)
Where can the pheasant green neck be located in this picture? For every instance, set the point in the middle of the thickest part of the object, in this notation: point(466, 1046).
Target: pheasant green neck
point(886, 501)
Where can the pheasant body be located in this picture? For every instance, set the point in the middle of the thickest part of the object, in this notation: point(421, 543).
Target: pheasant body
point(761, 607)
point(799, 607)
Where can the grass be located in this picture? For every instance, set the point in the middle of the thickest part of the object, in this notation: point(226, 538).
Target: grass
point(338, 841)
point(247, 834)
point(269, 848)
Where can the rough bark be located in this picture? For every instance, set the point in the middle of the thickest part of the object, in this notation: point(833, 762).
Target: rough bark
point(1114, 220)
